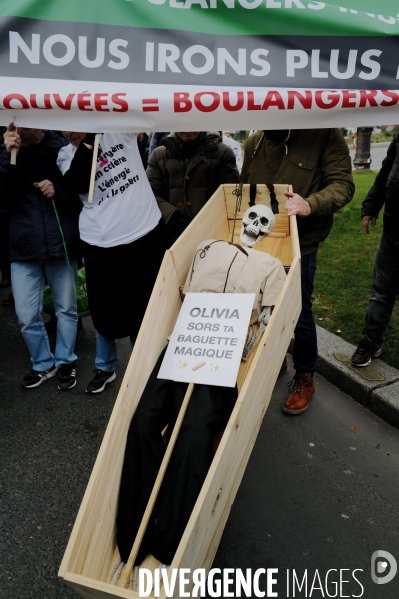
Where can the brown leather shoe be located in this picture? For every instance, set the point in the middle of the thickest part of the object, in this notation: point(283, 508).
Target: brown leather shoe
point(300, 395)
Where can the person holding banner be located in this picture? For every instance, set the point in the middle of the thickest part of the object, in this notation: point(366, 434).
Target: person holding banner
point(122, 233)
point(44, 240)
point(184, 173)
point(317, 164)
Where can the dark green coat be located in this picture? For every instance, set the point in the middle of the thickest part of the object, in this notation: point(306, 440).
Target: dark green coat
point(186, 184)
point(316, 163)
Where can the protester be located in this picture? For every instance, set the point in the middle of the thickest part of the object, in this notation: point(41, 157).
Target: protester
point(316, 163)
point(122, 233)
point(43, 244)
point(156, 140)
point(184, 173)
point(5, 266)
point(385, 287)
point(143, 143)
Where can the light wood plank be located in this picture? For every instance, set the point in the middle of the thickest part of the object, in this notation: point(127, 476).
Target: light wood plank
point(94, 589)
point(13, 156)
point(93, 169)
point(262, 197)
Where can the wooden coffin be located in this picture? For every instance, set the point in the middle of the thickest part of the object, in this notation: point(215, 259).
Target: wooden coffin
point(92, 552)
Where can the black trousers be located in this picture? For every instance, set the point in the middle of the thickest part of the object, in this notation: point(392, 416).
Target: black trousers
point(120, 280)
point(208, 411)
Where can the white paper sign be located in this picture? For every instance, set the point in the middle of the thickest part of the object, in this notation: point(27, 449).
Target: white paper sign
point(237, 149)
point(208, 339)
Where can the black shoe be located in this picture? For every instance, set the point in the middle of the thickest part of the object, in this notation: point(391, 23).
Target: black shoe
point(9, 300)
point(101, 378)
point(366, 350)
point(66, 377)
point(36, 378)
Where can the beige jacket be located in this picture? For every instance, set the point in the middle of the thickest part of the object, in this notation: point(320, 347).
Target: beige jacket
point(222, 267)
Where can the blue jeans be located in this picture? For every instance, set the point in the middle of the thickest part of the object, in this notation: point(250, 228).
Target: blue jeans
point(305, 337)
point(28, 280)
point(107, 353)
point(385, 290)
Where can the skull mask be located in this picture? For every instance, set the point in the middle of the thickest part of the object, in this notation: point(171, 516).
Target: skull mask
point(257, 222)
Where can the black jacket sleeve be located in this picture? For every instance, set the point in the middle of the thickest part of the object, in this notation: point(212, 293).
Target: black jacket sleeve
point(375, 198)
point(77, 177)
point(67, 199)
point(8, 174)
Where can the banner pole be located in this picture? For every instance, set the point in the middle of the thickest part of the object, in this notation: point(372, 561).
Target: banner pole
point(93, 168)
point(157, 485)
point(14, 152)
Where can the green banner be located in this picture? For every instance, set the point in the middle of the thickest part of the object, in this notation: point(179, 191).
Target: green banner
point(223, 17)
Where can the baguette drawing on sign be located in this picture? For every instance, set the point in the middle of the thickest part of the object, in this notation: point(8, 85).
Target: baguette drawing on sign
point(198, 366)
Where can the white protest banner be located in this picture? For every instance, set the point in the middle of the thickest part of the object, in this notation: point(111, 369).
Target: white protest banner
point(197, 65)
point(208, 339)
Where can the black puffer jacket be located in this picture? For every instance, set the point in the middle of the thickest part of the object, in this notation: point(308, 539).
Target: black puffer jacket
point(183, 182)
point(34, 230)
point(386, 191)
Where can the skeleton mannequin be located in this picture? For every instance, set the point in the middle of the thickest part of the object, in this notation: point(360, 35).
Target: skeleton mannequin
point(222, 267)
point(257, 222)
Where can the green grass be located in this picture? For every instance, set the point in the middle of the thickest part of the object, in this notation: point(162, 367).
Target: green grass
point(384, 136)
point(344, 275)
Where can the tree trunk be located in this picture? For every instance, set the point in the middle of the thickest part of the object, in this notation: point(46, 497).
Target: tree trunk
point(362, 159)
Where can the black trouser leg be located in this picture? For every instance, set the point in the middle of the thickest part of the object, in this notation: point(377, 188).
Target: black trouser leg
point(209, 409)
point(144, 452)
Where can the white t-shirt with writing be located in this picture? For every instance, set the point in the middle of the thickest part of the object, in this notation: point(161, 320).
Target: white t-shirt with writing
point(124, 207)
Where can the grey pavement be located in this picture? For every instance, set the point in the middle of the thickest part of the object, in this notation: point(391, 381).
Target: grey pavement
point(380, 396)
point(320, 490)
point(49, 440)
point(319, 493)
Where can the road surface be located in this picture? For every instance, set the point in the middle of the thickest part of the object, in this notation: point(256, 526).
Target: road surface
point(320, 491)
